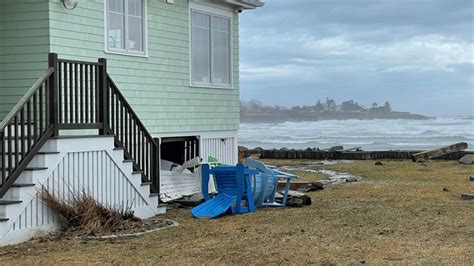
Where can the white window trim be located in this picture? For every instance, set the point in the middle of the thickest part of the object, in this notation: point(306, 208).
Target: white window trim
point(215, 11)
point(127, 51)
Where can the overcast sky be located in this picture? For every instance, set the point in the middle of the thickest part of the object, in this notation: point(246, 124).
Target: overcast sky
point(418, 54)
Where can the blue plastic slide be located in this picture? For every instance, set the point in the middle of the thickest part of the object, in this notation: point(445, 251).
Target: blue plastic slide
point(234, 191)
point(214, 207)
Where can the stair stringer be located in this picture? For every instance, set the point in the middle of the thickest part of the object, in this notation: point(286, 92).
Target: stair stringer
point(87, 157)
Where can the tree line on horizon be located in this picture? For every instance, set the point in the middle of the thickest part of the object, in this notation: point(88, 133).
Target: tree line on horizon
point(329, 105)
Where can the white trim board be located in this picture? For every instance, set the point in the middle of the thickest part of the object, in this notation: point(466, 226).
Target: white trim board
point(205, 134)
point(210, 7)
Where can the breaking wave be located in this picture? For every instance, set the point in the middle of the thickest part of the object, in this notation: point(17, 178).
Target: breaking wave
point(377, 134)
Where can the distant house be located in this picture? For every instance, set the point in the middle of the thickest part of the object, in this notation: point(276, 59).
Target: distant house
point(95, 94)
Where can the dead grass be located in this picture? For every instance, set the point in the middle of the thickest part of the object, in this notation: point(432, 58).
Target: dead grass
point(82, 215)
point(398, 213)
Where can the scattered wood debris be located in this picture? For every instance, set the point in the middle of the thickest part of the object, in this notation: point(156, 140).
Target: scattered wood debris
point(426, 155)
point(295, 198)
point(302, 186)
point(466, 196)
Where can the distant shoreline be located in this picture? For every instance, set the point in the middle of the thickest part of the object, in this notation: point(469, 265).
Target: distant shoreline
point(280, 117)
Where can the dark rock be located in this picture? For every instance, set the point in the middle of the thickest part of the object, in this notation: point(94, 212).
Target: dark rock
point(467, 159)
point(378, 163)
point(445, 189)
point(471, 178)
point(336, 148)
point(466, 196)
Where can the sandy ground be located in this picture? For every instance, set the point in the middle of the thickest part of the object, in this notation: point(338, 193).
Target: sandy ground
point(398, 213)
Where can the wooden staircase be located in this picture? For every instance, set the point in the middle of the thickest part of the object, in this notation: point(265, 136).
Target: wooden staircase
point(73, 95)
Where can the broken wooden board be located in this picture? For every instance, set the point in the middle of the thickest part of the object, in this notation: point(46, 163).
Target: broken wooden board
point(426, 155)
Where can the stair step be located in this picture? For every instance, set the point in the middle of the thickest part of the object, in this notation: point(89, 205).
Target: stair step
point(23, 185)
point(30, 168)
point(40, 153)
point(154, 194)
point(137, 172)
point(119, 148)
point(146, 183)
point(129, 161)
point(4, 219)
point(8, 202)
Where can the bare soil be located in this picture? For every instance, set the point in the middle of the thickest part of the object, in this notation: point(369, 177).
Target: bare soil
point(401, 212)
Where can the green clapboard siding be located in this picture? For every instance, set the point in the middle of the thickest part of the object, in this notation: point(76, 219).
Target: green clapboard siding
point(157, 87)
point(24, 45)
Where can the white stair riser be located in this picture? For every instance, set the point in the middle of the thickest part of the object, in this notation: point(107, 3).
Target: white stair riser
point(5, 210)
point(145, 189)
point(18, 193)
point(44, 160)
point(28, 177)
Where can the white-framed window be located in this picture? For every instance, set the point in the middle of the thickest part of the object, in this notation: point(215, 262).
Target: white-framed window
point(126, 26)
point(211, 58)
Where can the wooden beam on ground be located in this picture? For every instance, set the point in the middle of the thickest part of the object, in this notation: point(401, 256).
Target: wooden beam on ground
point(425, 155)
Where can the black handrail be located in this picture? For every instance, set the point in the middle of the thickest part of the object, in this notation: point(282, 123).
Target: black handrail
point(74, 95)
point(130, 133)
point(27, 127)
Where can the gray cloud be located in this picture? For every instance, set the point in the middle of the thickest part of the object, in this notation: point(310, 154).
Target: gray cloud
point(417, 54)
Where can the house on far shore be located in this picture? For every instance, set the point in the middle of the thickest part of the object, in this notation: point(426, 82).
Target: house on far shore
point(108, 97)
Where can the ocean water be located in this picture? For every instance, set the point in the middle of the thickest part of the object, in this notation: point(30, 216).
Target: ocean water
point(379, 134)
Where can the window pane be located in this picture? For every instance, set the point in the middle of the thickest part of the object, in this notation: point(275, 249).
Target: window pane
point(116, 5)
point(116, 31)
point(200, 48)
point(221, 50)
point(135, 35)
point(201, 20)
point(135, 8)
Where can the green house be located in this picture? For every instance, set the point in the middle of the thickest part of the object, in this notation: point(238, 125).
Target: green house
point(102, 94)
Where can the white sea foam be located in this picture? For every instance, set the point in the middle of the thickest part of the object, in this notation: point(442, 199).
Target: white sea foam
point(377, 134)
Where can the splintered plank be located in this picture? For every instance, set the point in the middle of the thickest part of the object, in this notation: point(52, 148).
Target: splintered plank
point(425, 155)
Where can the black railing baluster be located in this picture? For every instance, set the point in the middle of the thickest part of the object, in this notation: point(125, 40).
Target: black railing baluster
point(35, 116)
point(71, 93)
point(29, 123)
point(66, 93)
point(111, 111)
point(41, 112)
point(2, 156)
point(93, 95)
point(86, 94)
point(76, 93)
point(10, 149)
point(15, 123)
point(81, 93)
point(60, 100)
point(22, 133)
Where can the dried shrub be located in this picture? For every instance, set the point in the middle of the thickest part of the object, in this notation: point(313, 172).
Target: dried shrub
point(83, 215)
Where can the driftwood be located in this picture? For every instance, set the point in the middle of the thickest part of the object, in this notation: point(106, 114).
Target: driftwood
point(466, 196)
point(425, 155)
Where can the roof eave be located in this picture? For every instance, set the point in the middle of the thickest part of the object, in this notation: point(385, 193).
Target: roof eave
point(246, 4)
